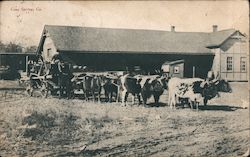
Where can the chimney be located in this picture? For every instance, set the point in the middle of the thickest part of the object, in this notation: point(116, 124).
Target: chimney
point(172, 28)
point(215, 28)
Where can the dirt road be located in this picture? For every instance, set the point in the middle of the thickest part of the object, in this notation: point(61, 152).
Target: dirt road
point(53, 127)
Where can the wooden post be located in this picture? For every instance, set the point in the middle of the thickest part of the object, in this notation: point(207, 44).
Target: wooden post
point(0, 65)
point(27, 60)
point(193, 71)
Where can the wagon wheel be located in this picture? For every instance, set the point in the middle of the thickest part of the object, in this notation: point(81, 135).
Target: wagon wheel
point(44, 89)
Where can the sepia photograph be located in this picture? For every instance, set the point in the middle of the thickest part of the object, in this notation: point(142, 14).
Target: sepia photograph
point(124, 78)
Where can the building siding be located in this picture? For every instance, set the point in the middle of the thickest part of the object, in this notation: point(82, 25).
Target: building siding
point(237, 50)
point(49, 48)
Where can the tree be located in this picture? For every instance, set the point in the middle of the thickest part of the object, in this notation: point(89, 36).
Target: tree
point(12, 47)
point(2, 47)
point(31, 49)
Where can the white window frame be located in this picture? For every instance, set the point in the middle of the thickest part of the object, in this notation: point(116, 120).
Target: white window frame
point(176, 69)
point(229, 63)
point(243, 61)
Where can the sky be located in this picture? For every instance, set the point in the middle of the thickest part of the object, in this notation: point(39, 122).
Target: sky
point(23, 21)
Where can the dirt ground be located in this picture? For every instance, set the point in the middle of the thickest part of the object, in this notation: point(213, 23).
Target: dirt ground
point(57, 127)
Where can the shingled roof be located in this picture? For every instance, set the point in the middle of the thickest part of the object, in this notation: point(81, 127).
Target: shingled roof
point(217, 38)
point(108, 40)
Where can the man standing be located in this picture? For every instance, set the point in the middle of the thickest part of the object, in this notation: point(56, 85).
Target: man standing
point(64, 78)
point(60, 66)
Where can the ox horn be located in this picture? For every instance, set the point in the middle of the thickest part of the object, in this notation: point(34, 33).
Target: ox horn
point(150, 80)
point(215, 81)
point(202, 85)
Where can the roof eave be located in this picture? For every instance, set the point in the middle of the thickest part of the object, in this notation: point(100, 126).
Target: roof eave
point(212, 46)
point(16, 53)
point(135, 52)
point(41, 41)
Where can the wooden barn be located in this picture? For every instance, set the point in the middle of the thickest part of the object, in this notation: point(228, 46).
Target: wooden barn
point(109, 49)
point(12, 62)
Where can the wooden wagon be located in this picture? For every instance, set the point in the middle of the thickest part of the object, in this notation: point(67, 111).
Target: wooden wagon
point(45, 78)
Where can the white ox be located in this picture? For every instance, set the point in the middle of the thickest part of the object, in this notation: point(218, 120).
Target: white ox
point(192, 89)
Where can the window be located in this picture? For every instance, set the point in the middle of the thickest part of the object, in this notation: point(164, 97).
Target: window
point(229, 63)
point(176, 70)
point(243, 65)
point(48, 52)
point(165, 68)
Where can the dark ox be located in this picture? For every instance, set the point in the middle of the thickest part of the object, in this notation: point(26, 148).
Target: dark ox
point(223, 86)
point(208, 90)
point(211, 88)
point(195, 90)
point(129, 85)
point(91, 86)
point(152, 86)
point(111, 88)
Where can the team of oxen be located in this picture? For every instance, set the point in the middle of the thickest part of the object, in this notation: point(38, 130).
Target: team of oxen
point(191, 91)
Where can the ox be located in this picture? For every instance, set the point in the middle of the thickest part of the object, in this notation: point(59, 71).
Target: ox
point(221, 84)
point(91, 85)
point(111, 87)
point(193, 89)
point(152, 86)
point(129, 85)
point(224, 86)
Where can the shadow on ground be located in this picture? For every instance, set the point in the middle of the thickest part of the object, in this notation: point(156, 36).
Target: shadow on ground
point(219, 108)
point(160, 104)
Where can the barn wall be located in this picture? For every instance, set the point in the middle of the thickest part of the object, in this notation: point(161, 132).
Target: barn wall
point(147, 62)
point(15, 61)
point(237, 49)
point(201, 63)
point(116, 61)
point(216, 67)
point(15, 64)
point(49, 48)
